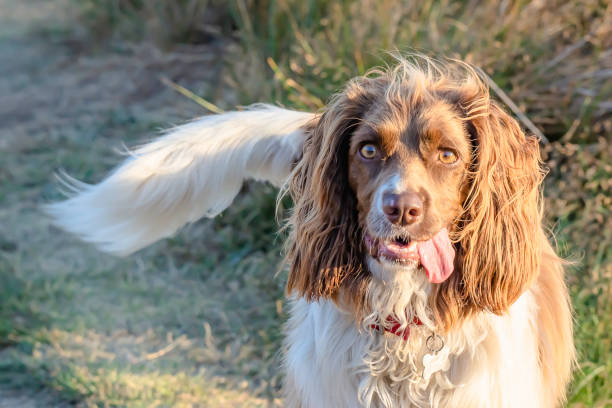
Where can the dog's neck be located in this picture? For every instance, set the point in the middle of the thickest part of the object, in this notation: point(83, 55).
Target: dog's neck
point(402, 292)
point(399, 291)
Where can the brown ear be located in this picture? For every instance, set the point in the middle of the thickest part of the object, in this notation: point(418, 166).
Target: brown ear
point(498, 232)
point(325, 248)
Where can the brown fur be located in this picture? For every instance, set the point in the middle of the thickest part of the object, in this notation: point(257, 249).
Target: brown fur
point(492, 206)
point(324, 249)
point(499, 249)
point(409, 140)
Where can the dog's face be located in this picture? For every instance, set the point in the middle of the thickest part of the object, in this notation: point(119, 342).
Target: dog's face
point(417, 165)
point(407, 168)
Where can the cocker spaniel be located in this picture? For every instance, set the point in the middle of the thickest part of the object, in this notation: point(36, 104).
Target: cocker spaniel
point(420, 273)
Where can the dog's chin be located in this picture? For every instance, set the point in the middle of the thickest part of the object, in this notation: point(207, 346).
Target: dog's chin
point(392, 269)
point(396, 263)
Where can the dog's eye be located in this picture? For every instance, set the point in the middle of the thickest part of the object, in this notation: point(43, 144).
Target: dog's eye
point(368, 151)
point(447, 156)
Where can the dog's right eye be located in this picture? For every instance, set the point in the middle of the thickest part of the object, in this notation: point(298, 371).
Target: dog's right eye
point(368, 151)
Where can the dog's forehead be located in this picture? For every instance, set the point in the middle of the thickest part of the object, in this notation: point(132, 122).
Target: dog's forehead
point(413, 125)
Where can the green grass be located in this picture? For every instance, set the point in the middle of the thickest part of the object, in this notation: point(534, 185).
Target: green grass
point(579, 202)
point(196, 320)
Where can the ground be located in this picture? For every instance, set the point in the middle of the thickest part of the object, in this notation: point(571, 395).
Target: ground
point(86, 328)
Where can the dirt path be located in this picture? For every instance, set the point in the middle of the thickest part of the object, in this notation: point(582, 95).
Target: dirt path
point(157, 328)
point(49, 80)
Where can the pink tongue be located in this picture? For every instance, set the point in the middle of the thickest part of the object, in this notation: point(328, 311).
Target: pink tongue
point(437, 256)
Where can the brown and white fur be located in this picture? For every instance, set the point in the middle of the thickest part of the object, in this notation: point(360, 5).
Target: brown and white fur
point(503, 315)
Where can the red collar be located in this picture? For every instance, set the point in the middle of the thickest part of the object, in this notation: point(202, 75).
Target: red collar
point(395, 327)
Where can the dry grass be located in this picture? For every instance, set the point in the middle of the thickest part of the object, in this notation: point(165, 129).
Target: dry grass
point(553, 58)
point(196, 320)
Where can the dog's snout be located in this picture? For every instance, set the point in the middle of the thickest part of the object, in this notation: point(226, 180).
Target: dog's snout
point(404, 208)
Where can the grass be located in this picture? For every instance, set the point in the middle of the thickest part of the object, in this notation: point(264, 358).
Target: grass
point(165, 22)
point(196, 320)
point(109, 332)
point(580, 205)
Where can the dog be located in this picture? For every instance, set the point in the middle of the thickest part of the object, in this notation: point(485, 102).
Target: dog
point(420, 274)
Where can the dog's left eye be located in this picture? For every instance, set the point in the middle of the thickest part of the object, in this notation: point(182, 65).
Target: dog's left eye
point(447, 156)
point(368, 151)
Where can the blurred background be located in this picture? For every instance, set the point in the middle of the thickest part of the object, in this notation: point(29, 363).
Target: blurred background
point(196, 320)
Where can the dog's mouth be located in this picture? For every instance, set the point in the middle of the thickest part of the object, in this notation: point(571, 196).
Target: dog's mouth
point(436, 254)
point(397, 249)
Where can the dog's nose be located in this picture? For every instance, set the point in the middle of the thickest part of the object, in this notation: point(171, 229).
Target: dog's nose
point(404, 208)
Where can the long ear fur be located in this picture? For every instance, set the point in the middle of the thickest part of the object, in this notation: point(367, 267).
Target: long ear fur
point(325, 248)
point(554, 325)
point(194, 170)
point(499, 231)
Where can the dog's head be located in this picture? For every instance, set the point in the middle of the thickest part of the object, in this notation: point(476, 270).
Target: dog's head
point(417, 165)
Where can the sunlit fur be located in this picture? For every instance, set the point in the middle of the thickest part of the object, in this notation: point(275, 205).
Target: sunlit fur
point(192, 171)
point(498, 233)
point(503, 314)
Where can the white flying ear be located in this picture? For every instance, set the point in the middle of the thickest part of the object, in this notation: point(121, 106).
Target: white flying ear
point(192, 171)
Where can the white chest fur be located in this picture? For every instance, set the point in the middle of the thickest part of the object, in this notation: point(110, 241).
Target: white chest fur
point(490, 361)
